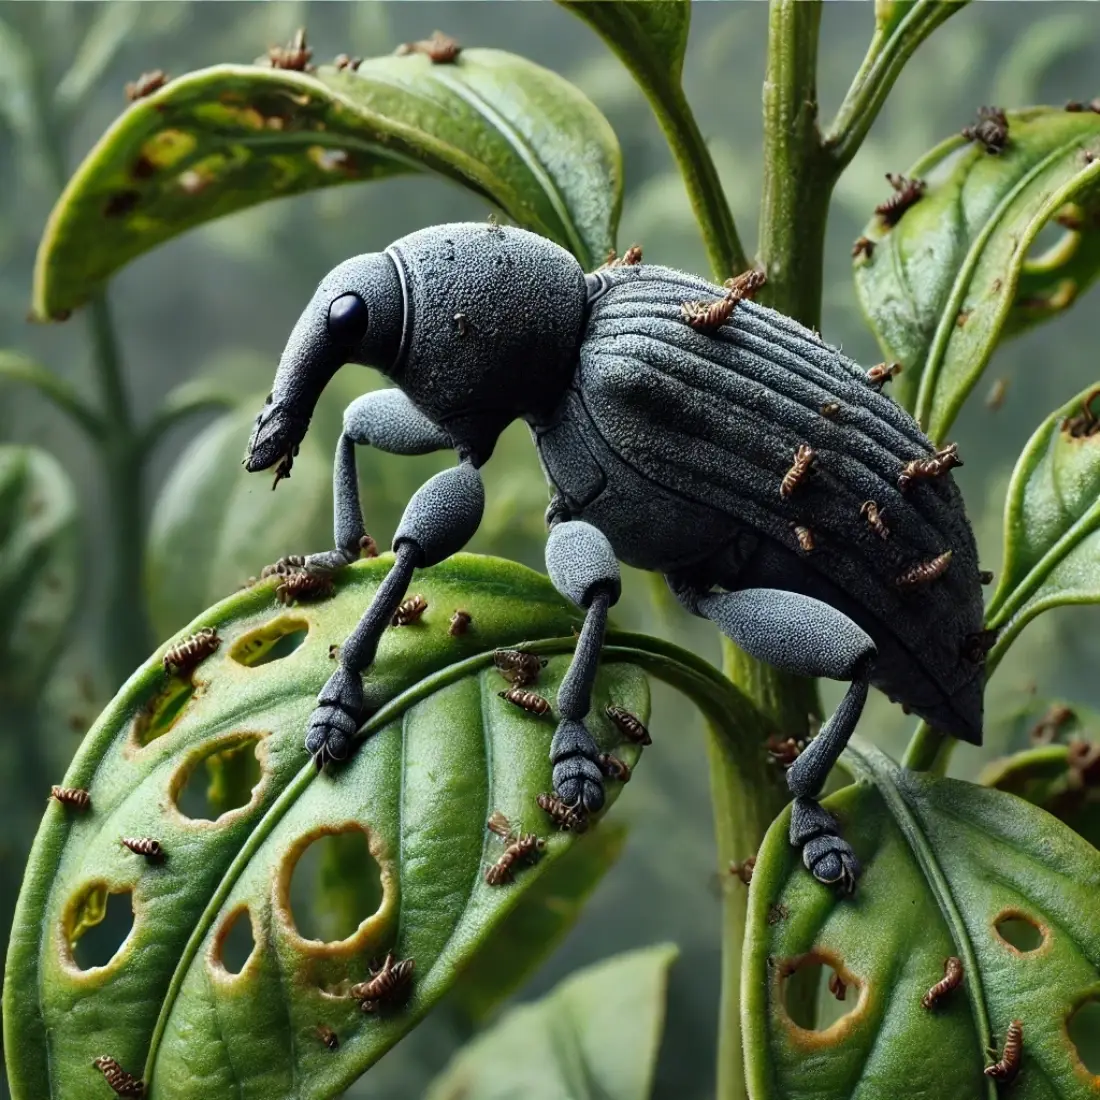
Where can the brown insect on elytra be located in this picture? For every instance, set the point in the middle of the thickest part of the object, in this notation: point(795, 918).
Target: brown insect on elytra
point(874, 519)
point(460, 623)
point(991, 131)
point(952, 978)
point(830, 409)
point(305, 586)
point(805, 538)
point(328, 1037)
point(613, 767)
point(1009, 1064)
point(293, 57)
point(144, 846)
point(629, 726)
point(709, 316)
point(784, 750)
point(976, 646)
point(368, 548)
point(570, 819)
point(985, 576)
point(145, 85)
point(439, 49)
point(879, 375)
point(518, 667)
point(124, 1084)
point(525, 700)
point(919, 469)
point(924, 572)
point(837, 987)
point(76, 797)
point(743, 871)
point(906, 193)
point(519, 849)
point(799, 471)
point(863, 247)
point(631, 257)
point(997, 394)
point(746, 284)
point(384, 984)
point(185, 655)
point(343, 61)
point(409, 611)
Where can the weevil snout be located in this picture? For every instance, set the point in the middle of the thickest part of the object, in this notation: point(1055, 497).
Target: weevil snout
point(275, 439)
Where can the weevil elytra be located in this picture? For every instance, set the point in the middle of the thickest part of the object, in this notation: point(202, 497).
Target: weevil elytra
point(666, 448)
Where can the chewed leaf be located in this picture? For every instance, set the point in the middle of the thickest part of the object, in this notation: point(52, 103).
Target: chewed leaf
point(593, 1037)
point(228, 137)
point(219, 980)
point(1052, 521)
point(951, 871)
point(941, 285)
point(39, 567)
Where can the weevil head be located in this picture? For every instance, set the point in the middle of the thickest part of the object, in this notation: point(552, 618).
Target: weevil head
point(356, 315)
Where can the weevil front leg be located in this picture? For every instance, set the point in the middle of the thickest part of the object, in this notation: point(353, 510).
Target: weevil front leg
point(583, 568)
point(799, 634)
point(440, 519)
point(388, 421)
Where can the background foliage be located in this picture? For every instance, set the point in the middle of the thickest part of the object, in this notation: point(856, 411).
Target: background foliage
point(217, 304)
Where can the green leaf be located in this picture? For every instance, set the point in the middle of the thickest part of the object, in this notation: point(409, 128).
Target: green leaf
point(440, 754)
point(226, 138)
point(537, 924)
point(40, 553)
point(1047, 777)
point(950, 869)
point(593, 1037)
point(941, 287)
point(15, 367)
point(1052, 522)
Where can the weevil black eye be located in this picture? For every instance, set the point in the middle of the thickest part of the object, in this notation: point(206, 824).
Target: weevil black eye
point(347, 319)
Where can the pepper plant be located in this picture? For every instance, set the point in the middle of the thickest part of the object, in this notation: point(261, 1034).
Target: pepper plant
point(1002, 876)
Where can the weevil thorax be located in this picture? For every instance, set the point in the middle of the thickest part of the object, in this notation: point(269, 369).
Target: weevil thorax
point(493, 320)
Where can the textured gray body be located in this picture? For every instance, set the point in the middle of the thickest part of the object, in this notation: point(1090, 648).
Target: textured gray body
point(673, 442)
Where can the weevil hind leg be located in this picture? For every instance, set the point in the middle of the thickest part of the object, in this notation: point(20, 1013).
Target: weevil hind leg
point(808, 637)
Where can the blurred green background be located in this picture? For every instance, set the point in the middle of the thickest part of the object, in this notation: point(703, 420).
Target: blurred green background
point(219, 303)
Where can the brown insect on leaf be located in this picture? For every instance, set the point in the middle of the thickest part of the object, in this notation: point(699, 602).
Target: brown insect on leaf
point(284, 567)
point(906, 193)
point(440, 49)
point(518, 849)
point(384, 984)
point(368, 548)
point(837, 987)
point(874, 518)
point(570, 819)
point(799, 471)
point(123, 1083)
point(743, 871)
point(1083, 759)
point(144, 846)
point(145, 85)
point(185, 655)
point(924, 572)
point(613, 767)
point(952, 977)
point(1075, 105)
point(293, 57)
point(804, 537)
point(327, 1036)
point(460, 623)
point(629, 726)
point(76, 797)
point(500, 825)
point(1009, 1064)
point(879, 375)
point(518, 667)
point(305, 586)
point(409, 611)
point(864, 248)
point(922, 469)
point(991, 130)
point(525, 700)
point(344, 62)
point(1084, 423)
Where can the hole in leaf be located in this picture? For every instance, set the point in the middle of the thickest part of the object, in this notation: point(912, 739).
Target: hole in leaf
point(336, 884)
point(235, 942)
point(817, 992)
point(1020, 931)
point(162, 711)
point(97, 925)
point(271, 642)
point(1084, 1033)
point(224, 780)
